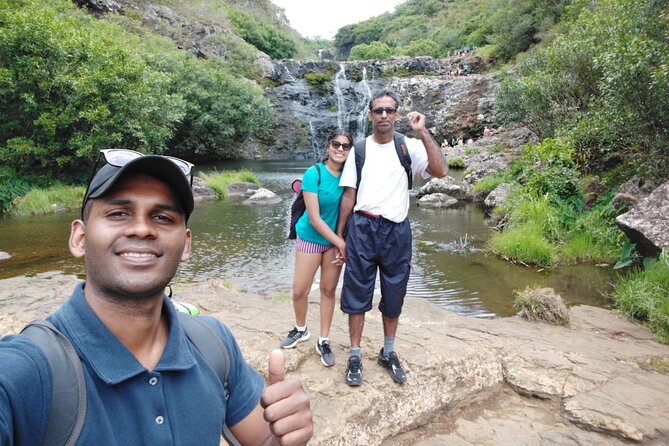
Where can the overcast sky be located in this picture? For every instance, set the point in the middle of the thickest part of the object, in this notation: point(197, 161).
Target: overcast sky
point(313, 18)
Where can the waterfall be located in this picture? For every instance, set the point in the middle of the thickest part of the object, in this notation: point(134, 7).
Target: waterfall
point(366, 96)
point(289, 76)
point(314, 141)
point(341, 102)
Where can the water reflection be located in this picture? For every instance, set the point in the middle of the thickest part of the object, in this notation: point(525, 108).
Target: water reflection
point(247, 246)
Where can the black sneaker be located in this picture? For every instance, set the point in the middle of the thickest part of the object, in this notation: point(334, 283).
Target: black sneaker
point(392, 364)
point(295, 336)
point(327, 355)
point(354, 371)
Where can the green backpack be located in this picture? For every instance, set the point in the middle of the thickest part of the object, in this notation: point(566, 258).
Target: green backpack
point(68, 392)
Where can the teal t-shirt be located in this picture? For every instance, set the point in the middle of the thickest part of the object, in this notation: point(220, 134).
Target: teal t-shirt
point(329, 195)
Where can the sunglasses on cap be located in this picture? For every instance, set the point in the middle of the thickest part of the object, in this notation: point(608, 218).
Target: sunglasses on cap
point(121, 157)
point(336, 144)
point(380, 110)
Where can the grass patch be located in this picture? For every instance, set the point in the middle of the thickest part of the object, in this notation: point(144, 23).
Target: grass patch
point(542, 304)
point(456, 162)
point(660, 364)
point(47, 201)
point(644, 295)
point(219, 181)
point(524, 244)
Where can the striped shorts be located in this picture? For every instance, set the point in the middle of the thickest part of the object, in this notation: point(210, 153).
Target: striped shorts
point(311, 248)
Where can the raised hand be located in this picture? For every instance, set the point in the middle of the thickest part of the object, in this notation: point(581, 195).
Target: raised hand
point(286, 406)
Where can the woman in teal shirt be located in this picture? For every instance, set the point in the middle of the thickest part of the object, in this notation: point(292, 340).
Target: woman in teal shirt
point(315, 242)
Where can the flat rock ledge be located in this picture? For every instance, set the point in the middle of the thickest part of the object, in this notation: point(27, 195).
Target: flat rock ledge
point(471, 381)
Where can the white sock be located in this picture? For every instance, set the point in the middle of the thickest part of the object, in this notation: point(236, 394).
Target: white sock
point(301, 328)
point(320, 340)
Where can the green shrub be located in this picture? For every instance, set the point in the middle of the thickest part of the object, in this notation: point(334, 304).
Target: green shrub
point(11, 188)
point(262, 35)
point(219, 181)
point(318, 79)
point(374, 50)
point(642, 295)
point(47, 201)
point(524, 244)
point(456, 162)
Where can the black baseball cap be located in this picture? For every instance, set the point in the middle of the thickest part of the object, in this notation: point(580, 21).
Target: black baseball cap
point(157, 166)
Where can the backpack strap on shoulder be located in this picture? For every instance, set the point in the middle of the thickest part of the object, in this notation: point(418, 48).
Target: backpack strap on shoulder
point(403, 155)
point(68, 391)
point(360, 147)
point(207, 342)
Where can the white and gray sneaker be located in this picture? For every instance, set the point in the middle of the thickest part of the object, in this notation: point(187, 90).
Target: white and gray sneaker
point(327, 355)
point(392, 363)
point(295, 336)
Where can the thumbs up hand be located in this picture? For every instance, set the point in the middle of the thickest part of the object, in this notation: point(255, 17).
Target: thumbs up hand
point(286, 406)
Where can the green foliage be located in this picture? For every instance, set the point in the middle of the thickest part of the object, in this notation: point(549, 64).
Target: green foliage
point(602, 85)
point(456, 162)
point(47, 201)
point(262, 35)
point(504, 28)
point(11, 188)
point(318, 79)
point(642, 295)
point(374, 50)
point(524, 244)
point(71, 85)
point(550, 169)
point(219, 181)
point(421, 47)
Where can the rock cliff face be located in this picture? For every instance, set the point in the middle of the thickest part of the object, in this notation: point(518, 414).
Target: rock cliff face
point(312, 98)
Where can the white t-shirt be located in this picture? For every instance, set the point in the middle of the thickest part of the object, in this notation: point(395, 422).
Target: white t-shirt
point(383, 187)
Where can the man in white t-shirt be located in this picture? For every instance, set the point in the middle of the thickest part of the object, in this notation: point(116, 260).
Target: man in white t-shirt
point(378, 234)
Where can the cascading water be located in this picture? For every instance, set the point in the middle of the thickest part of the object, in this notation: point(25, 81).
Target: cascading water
point(314, 142)
point(360, 98)
point(340, 77)
point(366, 96)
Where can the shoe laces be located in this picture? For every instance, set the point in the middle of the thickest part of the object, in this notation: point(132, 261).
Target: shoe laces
point(393, 359)
point(354, 365)
point(325, 347)
point(293, 333)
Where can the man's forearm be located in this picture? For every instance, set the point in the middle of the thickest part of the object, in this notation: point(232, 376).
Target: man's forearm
point(436, 160)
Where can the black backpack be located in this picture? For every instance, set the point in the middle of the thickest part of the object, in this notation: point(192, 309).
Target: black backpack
point(400, 148)
point(298, 207)
point(68, 393)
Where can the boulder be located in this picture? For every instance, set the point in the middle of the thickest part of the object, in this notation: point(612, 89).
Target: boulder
point(484, 169)
point(647, 224)
point(244, 190)
point(449, 186)
point(497, 196)
point(437, 200)
point(201, 191)
point(632, 191)
point(263, 196)
point(4, 255)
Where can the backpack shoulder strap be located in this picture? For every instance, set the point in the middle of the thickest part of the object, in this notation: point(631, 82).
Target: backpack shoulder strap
point(360, 147)
point(318, 170)
point(207, 342)
point(68, 391)
point(403, 154)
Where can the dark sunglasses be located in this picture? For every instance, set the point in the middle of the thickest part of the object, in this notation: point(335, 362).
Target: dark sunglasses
point(345, 146)
point(380, 110)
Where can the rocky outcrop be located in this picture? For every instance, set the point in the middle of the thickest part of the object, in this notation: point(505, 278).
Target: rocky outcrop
point(471, 381)
point(201, 191)
point(241, 191)
point(263, 196)
point(498, 196)
point(647, 224)
point(449, 186)
point(437, 200)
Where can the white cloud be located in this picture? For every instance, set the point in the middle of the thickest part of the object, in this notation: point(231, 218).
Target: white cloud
point(313, 18)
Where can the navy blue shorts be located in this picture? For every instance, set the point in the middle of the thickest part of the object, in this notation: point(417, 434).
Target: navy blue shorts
point(373, 243)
